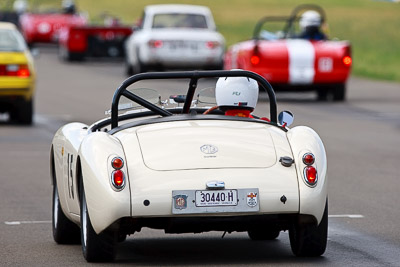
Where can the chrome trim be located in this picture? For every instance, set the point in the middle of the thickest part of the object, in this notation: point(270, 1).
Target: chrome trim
point(215, 185)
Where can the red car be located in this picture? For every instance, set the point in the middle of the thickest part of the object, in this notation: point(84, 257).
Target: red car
point(45, 27)
point(296, 61)
point(78, 42)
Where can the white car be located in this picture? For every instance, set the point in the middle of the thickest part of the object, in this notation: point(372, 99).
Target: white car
point(174, 37)
point(179, 169)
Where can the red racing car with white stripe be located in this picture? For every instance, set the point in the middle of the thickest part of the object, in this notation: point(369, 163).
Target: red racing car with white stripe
point(292, 61)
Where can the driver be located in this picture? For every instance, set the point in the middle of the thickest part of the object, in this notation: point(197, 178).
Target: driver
point(236, 96)
point(310, 24)
point(68, 7)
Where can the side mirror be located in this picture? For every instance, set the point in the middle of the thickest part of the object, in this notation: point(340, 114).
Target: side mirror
point(285, 118)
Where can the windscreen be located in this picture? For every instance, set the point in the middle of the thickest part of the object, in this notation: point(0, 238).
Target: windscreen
point(11, 40)
point(179, 20)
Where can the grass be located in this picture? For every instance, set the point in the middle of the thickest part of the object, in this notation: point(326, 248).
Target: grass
point(372, 26)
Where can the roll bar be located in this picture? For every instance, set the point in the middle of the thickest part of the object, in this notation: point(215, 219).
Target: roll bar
point(194, 76)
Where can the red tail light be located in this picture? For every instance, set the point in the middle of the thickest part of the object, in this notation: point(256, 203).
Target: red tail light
point(212, 44)
point(118, 179)
point(23, 72)
point(255, 60)
point(155, 43)
point(310, 175)
point(118, 176)
point(117, 163)
point(347, 61)
point(15, 70)
point(308, 159)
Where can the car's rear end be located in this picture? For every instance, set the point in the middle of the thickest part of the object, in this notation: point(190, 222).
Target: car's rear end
point(183, 49)
point(296, 64)
point(93, 41)
point(181, 36)
point(45, 28)
point(17, 75)
point(214, 175)
point(203, 175)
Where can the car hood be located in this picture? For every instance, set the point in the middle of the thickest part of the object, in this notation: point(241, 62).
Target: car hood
point(185, 145)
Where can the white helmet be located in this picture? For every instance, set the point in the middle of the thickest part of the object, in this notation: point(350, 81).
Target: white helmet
point(20, 6)
point(236, 92)
point(310, 18)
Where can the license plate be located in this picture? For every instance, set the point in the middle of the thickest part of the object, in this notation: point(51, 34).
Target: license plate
point(215, 201)
point(183, 45)
point(211, 198)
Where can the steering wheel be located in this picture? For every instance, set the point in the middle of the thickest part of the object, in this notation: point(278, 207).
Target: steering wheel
point(210, 110)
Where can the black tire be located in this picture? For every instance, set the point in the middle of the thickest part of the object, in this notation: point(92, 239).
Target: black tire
point(128, 69)
point(139, 68)
point(267, 234)
point(26, 112)
point(339, 92)
point(65, 55)
point(322, 94)
point(310, 240)
point(95, 247)
point(219, 66)
point(64, 231)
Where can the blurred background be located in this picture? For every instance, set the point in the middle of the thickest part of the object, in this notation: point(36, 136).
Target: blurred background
point(372, 26)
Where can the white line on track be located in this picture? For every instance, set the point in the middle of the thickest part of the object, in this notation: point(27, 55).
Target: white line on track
point(351, 216)
point(25, 222)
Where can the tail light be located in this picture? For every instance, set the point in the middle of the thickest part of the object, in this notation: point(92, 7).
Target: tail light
point(15, 70)
point(310, 175)
point(155, 43)
point(117, 163)
point(118, 179)
point(347, 61)
point(308, 159)
point(255, 59)
point(310, 172)
point(212, 44)
point(117, 176)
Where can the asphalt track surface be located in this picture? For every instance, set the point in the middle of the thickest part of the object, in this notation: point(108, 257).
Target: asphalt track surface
point(361, 136)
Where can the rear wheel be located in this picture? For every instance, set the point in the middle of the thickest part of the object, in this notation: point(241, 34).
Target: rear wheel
point(26, 112)
point(310, 240)
point(96, 247)
point(139, 67)
point(66, 55)
point(339, 92)
point(64, 231)
point(322, 94)
point(265, 234)
point(128, 69)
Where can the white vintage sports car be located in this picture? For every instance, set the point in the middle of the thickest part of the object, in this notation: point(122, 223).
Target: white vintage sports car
point(174, 37)
point(166, 165)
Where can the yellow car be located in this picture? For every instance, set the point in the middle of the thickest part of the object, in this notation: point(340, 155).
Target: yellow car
point(17, 75)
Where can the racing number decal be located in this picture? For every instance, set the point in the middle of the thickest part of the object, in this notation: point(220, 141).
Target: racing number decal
point(70, 176)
